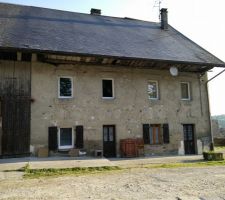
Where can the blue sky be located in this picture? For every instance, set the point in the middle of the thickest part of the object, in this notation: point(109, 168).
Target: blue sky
point(200, 20)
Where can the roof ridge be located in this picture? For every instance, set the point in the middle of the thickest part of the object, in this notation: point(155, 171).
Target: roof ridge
point(68, 11)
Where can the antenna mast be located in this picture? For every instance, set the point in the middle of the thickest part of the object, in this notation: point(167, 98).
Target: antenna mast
point(157, 4)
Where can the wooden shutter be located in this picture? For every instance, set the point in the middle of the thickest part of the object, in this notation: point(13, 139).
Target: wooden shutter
point(146, 134)
point(79, 137)
point(52, 138)
point(166, 135)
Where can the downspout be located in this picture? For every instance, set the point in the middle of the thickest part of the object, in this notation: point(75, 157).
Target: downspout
point(210, 118)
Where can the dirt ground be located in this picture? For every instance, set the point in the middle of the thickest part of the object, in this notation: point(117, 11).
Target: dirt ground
point(138, 183)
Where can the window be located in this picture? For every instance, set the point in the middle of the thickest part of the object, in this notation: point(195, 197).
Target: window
point(66, 139)
point(65, 87)
point(152, 134)
point(107, 89)
point(185, 91)
point(153, 90)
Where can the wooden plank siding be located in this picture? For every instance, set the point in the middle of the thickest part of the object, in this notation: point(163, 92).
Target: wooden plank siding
point(15, 96)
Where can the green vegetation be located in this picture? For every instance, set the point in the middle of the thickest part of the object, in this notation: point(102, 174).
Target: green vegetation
point(36, 173)
point(219, 148)
point(221, 120)
point(212, 156)
point(191, 164)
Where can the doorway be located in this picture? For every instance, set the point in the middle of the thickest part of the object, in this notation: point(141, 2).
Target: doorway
point(109, 141)
point(189, 140)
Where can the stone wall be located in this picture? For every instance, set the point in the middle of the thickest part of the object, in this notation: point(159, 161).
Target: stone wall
point(128, 111)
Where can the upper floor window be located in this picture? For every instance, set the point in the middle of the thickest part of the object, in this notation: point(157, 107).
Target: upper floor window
point(185, 91)
point(153, 92)
point(65, 87)
point(107, 88)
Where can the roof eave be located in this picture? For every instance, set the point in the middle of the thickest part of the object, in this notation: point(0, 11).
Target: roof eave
point(32, 50)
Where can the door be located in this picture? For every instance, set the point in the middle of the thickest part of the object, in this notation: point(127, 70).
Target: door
point(109, 141)
point(15, 126)
point(15, 96)
point(189, 140)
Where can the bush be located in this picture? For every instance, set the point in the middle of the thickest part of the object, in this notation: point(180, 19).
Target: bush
point(212, 156)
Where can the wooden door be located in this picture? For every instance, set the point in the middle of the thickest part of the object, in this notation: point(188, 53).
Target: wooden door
point(189, 140)
point(15, 95)
point(109, 141)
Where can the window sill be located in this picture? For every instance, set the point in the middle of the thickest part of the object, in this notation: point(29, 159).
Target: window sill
point(186, 102)
point(65, 97)
point(65, 148)
point(108, 98)
point(151, 99)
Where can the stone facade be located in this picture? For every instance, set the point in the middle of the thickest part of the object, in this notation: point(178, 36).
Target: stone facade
point(128, 111)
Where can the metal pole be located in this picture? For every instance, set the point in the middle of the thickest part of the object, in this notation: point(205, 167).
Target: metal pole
point(210, 118)
point(215, 76)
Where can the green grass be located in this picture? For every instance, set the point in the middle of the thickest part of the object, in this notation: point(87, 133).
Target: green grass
point(219, 148)
point(191, 164)
point(37, 173)
point(51, 172)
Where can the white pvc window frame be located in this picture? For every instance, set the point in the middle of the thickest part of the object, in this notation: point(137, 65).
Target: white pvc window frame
point(189, 91)
point(157, 90)
point(65, 147)
point(65, 97)
point(113, 89)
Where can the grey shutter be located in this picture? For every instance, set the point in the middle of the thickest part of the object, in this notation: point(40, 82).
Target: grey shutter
point(52, 138)
point(146, 134)
point(79, 137)
point(166, 134)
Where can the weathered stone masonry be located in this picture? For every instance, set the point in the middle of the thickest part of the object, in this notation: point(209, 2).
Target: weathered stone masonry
point(128, 111)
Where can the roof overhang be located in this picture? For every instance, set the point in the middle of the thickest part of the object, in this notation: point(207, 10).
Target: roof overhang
point(58, 57)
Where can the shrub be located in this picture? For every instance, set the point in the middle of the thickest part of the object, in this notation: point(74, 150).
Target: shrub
point(212, 156)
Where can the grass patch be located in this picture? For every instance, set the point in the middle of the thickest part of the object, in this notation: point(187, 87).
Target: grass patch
point(37, 173)
point(191, 164)
point(219, 148)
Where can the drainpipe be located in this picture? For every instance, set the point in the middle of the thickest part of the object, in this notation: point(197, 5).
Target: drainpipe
point(210, 118)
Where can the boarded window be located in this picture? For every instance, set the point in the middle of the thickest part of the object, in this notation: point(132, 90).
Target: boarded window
point(65, 87)
point(107, 88)
point(153, 90)
point(79, 137)
point(166, 135)
point(52, 138)
point(185, 91)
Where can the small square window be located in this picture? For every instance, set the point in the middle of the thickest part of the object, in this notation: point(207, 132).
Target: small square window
point(65, 87)
point(66, 138)
point(107, 89)
point(153, 90)
point(185, 91)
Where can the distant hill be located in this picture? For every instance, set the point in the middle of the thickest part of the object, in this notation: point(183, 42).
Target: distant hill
point(221, 120)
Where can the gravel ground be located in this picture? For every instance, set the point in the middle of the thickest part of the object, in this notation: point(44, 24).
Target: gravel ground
point(137, 183)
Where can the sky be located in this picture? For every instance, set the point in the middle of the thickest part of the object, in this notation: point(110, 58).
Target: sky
point(200, 20)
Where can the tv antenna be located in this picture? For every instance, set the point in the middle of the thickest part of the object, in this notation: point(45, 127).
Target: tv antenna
point(157, 4)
